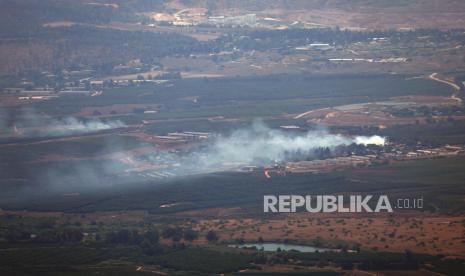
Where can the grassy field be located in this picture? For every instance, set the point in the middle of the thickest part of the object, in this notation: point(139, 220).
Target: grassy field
point(439, 181)
point(250, 96)
point(68, 147)
point(434, 134)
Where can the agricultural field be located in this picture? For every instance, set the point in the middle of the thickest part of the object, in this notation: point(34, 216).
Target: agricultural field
point(151, 137)
point(247, 97)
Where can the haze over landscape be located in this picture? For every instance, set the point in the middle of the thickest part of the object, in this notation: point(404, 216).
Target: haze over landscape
point(140, 137)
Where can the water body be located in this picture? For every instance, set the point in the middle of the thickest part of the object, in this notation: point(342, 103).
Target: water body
point(273, 247)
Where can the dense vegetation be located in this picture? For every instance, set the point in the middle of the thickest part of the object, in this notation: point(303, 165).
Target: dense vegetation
point(106, 46)
point(76, 246)
point(26, 17)
point(286, 39)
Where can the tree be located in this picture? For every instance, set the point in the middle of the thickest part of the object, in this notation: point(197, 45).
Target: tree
point(152, 236)
point(212, 236)
point(70, 235)
point(190, 235)
point(121, 236)
point(175, 233)
point(150, 249)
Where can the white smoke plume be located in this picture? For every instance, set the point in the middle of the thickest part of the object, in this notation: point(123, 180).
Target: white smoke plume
point(257, 145)
point(71, 125)
point(372, 140)
point(29, 124)
point(261, 144)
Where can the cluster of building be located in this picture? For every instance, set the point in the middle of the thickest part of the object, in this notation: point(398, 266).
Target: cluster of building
point(49, 85)
point(336, 163)
point(445, 151)
point(201, 17)
point(47, 93)
point(233, 21)
point(382, 60)
point(81, 83)
point(330, 164)
point(195, 17)
point(315, 46)
point(183, 137)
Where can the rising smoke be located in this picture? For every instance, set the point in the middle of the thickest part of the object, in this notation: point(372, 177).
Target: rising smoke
point(371, 140)
point(257, 145)
point(28, 124)
point(71, 125)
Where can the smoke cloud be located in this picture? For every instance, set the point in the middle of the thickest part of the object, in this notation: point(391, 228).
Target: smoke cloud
point(71, 125)
point(29, 124)
point(257, 145)
point(260, 145)
point(372, 140)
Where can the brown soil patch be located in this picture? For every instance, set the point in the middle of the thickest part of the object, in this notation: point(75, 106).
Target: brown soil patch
point(419, 232)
